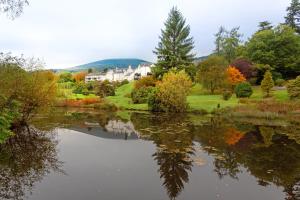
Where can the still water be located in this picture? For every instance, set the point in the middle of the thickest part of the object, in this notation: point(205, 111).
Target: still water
point(82, 154)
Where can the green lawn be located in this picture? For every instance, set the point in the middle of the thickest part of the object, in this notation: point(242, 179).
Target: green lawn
point(197, 100)
point(122, 100)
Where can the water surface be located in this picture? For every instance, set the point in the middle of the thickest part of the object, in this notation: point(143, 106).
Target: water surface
point(96, 155)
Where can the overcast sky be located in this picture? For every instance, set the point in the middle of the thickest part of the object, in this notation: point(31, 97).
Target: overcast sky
point(67, 33)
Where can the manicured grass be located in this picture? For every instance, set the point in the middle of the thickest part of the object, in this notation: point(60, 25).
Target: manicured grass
point(209, 102)
point(280, 95)
point(198, 99)
point(122, 98)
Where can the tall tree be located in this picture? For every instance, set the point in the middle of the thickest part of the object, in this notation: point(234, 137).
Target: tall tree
point(265, 25)
point(227, 43)
point(212, 73)
point(278, 47)
point(175, 47)
point(293, 15)
point(220, 35)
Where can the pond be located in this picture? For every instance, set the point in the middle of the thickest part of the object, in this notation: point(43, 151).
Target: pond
point(84, 154)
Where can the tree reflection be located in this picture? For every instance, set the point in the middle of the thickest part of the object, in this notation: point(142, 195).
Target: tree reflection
point(271, 154)
point(174, 142)
point(24, 160)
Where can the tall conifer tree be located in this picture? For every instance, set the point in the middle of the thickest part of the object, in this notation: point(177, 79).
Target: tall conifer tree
point(293, 16)
point(175, 47)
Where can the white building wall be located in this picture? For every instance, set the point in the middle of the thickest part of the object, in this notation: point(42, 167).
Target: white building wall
point(120, 76)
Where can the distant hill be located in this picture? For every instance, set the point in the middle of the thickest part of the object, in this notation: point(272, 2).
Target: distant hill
point(200, 59)
point(110, 63)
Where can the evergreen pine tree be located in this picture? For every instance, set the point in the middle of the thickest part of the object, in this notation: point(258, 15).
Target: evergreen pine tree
point(265, 25)
point(267, 84)
point(175, 46)
point(293, 15)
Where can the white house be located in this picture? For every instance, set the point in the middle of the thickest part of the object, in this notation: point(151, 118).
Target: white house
point(120, 74)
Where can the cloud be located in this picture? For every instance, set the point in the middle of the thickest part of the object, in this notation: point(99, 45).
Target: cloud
point(66, 33)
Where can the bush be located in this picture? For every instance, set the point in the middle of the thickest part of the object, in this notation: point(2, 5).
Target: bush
point(141, 95)
point(253, 81)
point(227, 95)
point(80, 88)
point(104, 89)
point(124, 82)
point(293, 88)
point(171, 93)
point(154, 102)
point(147, 81)
point(267, 84)
point(243, 90)
point(280, 82)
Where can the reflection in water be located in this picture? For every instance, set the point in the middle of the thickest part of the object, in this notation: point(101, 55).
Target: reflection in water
point(174, 149)
point(265, 152)
point(24, 160)
point(269, 153)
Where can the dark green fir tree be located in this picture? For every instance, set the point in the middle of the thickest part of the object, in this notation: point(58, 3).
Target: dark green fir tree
point(293, 15)
point(175, 47)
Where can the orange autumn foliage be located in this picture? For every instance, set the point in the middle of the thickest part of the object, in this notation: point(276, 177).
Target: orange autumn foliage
point(232, 136)
point(234, 76)
point(80, 76)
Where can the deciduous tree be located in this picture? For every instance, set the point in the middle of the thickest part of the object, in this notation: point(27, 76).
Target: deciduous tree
point(212, 73)
point(234, 76)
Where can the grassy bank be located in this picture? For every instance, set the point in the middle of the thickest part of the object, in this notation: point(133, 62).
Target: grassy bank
point(198, 99)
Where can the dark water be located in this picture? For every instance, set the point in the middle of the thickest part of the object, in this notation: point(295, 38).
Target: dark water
point(76, 155)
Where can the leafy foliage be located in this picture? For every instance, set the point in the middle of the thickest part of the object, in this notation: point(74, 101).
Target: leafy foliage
point(227, 43)
point(278, 47)
point(294, 88)
point(104, 89)
point(211, 73)
point(279, 82)
point(8, 112)
point(265, 25)
point(32, 88)
point(141, 95)
point(243, 90)
point(245, 67)
point(234, 76)
point(226, 95)
point(171, 94)
point(267, 84)
point(81, 88)
point(147, 81)
point(175, 45)
point(65, 77)
point(80, 76)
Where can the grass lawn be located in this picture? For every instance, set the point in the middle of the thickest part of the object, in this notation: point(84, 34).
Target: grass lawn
point(197, 100)
point(122, 100)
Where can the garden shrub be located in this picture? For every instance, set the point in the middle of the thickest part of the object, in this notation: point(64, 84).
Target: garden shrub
point(293, 88)
point(80, 88)
point(141, 95)
point(105, 88)
point(171, 93)
point(279, 82)
point(147, 81)
point(243, 90)
point(267, 84)
point(227, 95)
